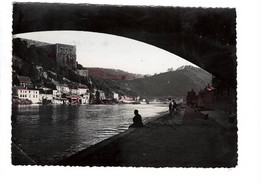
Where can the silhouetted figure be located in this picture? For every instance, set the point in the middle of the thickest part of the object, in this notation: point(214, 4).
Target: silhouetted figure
point(137, 120)
point(172, 107)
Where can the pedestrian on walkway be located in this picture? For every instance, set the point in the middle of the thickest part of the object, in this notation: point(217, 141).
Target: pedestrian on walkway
point(170, 107)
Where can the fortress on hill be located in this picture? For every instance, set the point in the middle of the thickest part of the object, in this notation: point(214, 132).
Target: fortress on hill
point(65, 55)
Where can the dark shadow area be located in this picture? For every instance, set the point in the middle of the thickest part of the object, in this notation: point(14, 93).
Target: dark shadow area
point(203, 36)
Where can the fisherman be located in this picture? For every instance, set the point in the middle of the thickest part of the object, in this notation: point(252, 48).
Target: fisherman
point(137, 121)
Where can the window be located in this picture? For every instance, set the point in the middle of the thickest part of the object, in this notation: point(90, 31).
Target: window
point(21, 91)
point(29, 91)
point(20, 95)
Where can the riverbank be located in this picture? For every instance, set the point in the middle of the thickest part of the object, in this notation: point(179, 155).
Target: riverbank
point(189, 140)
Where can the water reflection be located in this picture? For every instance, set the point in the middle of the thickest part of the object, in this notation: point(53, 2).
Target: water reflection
point(49, 133)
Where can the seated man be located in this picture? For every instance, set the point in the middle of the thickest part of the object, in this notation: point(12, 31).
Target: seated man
point(137, 120)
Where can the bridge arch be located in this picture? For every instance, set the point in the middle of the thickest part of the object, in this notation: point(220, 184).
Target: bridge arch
point(205, 37)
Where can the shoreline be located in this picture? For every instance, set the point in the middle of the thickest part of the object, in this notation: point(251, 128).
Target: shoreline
point(47, 151)
point(186, 141)
point(93, 148)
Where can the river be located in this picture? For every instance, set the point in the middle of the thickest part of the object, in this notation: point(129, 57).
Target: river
point(48, 133)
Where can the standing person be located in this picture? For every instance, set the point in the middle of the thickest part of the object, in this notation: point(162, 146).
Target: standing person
point(137, 121)
point(170, 107)
point(174, 106)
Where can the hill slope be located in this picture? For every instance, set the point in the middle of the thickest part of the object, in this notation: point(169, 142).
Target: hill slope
point(175, 83)
point(112, 74)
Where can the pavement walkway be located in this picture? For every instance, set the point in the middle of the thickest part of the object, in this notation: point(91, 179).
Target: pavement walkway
point(188, 140)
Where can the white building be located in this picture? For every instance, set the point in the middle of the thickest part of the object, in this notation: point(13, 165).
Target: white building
point(61, 88)
point(82, 90)
point(64, 88)
point(74, 91)
point(55, 94)
point(115, 96)
point(30, 94)
point(102, 95)
point(85, 98)
point(46, 95)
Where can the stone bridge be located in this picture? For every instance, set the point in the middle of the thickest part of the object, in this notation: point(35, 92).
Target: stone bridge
point(205, 37)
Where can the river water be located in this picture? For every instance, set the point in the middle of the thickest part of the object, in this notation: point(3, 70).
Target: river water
point(48, 133)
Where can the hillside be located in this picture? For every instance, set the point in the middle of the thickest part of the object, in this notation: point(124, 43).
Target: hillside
point(112, 74)
point(34, 63)
point(174, 83)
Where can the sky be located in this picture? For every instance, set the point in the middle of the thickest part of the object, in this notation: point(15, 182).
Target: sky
point(110, 51)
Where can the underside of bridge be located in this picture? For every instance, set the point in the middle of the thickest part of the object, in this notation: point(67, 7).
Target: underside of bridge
point(203, 36)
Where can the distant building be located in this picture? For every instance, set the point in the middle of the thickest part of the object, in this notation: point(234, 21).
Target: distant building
point(83, 72)
point(74, 90)
point(64, 88)
point(85, 99)
point(82, 90)
point(30, 94)
point(55, 94)
point(102, 95)
point(60, 89)
point(64, 55)
point(46, 95)
point(22, 81)
point(114, 96)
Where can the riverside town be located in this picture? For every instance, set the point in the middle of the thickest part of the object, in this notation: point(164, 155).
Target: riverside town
point(48, 74)
point(123, 86)
point(39, 85)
